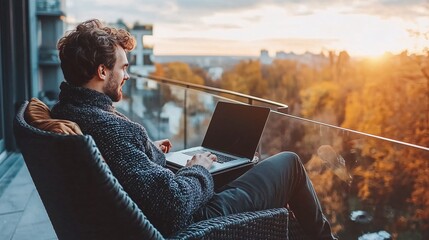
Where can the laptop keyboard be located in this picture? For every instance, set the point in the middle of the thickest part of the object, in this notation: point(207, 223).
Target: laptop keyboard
point(220, 157)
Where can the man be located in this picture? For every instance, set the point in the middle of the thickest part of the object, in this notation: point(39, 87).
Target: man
point(94, 63)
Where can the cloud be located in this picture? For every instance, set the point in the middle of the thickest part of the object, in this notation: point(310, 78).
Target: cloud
point(406, 9)
point(224, 26)
point(149, 11)
point(373, 7)
point(296, 24)
point(181, 11)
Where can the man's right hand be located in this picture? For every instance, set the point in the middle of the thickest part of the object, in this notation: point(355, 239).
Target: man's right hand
point(205, 159)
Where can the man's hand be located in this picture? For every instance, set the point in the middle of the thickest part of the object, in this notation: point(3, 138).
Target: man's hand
point(163, 145)
point(205, 159)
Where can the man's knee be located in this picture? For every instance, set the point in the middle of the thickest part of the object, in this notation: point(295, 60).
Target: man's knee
point(290, 159)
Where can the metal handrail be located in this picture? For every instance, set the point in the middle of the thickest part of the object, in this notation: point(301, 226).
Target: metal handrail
point(283, 108)
point(393, 141)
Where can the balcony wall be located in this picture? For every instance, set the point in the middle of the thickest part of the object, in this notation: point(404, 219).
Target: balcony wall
point(364, 182)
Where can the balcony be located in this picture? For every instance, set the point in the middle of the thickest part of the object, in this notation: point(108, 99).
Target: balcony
point(48, 57)
point(148, 47)
point(362, 182)
point(143, 27)
point(49, 8)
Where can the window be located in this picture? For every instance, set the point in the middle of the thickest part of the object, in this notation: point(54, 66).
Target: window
point(2, 147)
point(147, 60)
point(1, 120)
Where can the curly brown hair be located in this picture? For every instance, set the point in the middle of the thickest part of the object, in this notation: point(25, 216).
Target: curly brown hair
point(87, 46)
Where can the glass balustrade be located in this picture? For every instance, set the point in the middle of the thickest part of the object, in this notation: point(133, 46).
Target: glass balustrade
point(368, 186)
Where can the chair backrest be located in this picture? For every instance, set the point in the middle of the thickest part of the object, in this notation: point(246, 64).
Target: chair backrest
point(81, 196)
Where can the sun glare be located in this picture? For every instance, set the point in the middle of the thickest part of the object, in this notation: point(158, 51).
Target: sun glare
point(278, 29)
point(287, 27)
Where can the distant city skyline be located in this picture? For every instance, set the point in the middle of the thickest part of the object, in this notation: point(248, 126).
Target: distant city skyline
point(244, 27)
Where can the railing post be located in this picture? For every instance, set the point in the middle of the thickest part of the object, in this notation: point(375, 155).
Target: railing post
point(284, 110)
point(185, 119)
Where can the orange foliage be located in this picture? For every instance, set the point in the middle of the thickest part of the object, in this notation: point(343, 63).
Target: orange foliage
point(388, 97)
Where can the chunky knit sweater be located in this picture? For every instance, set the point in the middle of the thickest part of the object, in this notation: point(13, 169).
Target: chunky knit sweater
point(168, 200)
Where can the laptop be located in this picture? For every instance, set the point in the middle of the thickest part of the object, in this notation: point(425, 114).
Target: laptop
point(233, 136)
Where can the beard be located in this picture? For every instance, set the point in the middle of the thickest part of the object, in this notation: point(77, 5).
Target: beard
point(112, 89)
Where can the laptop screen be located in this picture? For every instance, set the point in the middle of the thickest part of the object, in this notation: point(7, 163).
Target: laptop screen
point(236, 129)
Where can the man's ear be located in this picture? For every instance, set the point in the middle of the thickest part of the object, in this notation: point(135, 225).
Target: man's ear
point(101, 71)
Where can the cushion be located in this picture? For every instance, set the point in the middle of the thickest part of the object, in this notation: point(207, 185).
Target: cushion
point(36, 110)
point(38, 115)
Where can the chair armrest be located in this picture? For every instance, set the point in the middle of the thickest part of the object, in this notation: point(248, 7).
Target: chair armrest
point(266, 224)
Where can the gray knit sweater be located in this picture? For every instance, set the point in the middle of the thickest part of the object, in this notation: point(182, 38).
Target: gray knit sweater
point(168, 200)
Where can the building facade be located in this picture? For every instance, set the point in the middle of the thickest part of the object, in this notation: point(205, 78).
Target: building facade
point(141, 58)
point(50, 27)
point(29, 65)
point(29, 62)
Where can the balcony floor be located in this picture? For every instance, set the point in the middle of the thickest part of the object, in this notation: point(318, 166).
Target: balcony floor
point(22, 214)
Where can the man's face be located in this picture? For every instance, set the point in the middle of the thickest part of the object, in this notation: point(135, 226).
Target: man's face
point(117, 76)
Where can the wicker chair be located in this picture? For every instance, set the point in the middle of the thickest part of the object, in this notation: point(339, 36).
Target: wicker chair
point(85, 201)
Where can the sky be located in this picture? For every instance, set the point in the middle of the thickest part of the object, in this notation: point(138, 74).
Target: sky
point(245, 27)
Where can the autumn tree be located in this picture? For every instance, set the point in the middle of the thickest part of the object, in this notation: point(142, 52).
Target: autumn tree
point(322, 102)
point(392, 104)
point(246, 78)
point(285, 80)
point(324, 99)
point(182, 72)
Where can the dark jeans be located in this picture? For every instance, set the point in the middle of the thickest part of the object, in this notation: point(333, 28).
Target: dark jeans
point(273, 183)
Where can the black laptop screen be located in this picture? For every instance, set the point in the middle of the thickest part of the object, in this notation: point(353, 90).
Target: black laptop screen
point(236, 129)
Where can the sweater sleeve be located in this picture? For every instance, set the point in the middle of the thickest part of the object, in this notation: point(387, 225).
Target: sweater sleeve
point(167, 199)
